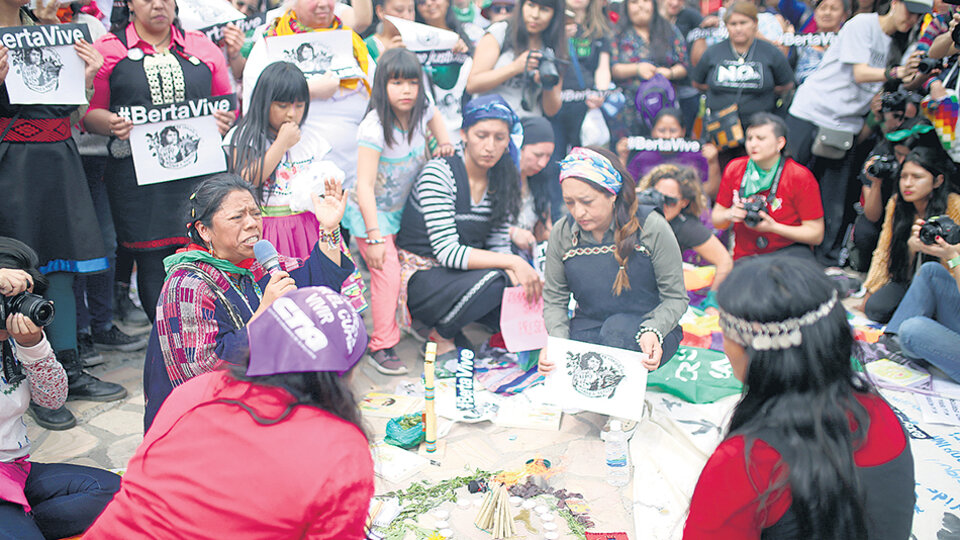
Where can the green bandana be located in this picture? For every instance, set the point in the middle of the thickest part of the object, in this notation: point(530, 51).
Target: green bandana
point(467, 14)
point(197, 255)
point(901, 134)
point(756, 179)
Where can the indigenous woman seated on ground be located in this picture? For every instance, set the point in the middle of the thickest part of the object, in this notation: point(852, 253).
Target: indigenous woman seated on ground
point(620, 260)
point(214, 285)
point(270, 448)
point(683, 204)
point(454, 242)
point(812, 450)
point(37, 500)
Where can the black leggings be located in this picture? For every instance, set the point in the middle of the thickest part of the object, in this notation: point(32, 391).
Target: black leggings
point(881, 304)
point(150, 278)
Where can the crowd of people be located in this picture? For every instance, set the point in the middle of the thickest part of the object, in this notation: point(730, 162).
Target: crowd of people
point(555, 143)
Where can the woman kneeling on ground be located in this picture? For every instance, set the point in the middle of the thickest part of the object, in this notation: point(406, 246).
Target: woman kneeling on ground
point(620, 260)
point(214, 285)
point(812, 450)
point(270, 448)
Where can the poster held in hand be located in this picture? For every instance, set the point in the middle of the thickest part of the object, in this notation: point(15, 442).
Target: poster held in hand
point(316, 53)
point(197, 14)
point(423, 37)
point(595, 378)
point(521, 322)
point(172, 142)
point(44, 66)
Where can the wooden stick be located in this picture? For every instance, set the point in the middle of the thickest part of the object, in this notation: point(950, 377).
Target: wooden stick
point(430, 411)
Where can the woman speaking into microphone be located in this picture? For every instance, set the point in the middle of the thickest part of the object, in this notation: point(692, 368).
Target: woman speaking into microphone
point(214, 285)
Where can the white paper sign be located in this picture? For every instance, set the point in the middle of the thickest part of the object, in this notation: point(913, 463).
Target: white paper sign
point(172, 142)
point(594, 378)
point(939, 410)
point(422, 37)
point(197, 14)
point(316, 53)
point(44, 66)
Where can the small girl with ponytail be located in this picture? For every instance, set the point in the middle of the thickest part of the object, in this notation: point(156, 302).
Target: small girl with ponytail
point(620, 261)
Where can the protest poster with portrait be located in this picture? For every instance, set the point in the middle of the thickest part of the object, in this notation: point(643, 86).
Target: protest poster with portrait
point(595, 378)
point(44, 66)
point(419, 37)
point(316, 53)
point(172, 142)
point(197, 14)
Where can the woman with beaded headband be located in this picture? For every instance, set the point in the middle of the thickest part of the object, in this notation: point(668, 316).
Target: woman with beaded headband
point(812, 451)
point(620, 261)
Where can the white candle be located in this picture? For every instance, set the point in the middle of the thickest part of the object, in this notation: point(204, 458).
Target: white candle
point(549, 526)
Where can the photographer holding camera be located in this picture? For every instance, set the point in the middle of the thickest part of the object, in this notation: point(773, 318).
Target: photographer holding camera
point(923, 192)
point(772, 201)
point(926, 324)
point(518, 59)
point(37, 500)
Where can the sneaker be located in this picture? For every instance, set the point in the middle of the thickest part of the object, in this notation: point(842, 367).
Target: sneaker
point(88, 353)
point(418, 331)
point(115, 340)
point(387, 362)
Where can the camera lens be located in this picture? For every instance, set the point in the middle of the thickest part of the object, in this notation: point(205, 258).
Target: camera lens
point(35, 307)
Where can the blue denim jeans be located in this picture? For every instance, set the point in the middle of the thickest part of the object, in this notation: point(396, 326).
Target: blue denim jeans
point(65, 500)
point(928, 319)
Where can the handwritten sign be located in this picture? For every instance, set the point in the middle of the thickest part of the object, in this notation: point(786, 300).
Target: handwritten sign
point(521, 322)
point(44, 66)
point(172, 142)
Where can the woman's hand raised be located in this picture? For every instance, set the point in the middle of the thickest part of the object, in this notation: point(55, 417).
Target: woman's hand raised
point(329, 208)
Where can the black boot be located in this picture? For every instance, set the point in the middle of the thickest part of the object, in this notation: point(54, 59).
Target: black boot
point(52, 419)
point(125, 310)
point(82, 385)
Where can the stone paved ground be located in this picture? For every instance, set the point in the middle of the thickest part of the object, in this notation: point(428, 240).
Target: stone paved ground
point(107, 434)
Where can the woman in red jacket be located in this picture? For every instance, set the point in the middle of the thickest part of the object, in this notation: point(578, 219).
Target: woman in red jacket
point(272, 448)
point(812, 450)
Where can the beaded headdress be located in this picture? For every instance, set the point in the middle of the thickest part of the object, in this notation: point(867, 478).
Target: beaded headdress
point(775, 335)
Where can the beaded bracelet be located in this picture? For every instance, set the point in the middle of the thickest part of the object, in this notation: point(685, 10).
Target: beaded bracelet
point(372, 242)
point(646, 329)
point(332, 238)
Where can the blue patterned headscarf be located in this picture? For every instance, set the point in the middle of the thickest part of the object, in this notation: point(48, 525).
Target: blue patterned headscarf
point(493, 106)
point(588, 165)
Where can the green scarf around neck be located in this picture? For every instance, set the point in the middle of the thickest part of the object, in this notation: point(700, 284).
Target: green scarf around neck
point(756, 179)
point(197, 255)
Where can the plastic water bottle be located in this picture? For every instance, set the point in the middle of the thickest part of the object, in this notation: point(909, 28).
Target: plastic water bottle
point(618, 471)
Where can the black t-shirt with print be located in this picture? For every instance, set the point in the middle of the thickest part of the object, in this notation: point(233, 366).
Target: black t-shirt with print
point(752, 79)
point(588, 55)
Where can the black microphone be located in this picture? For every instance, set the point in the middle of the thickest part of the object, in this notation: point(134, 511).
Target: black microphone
point(266, 255)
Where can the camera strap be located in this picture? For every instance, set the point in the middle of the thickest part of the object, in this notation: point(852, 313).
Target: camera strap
point(773, 187)
point(12, 371)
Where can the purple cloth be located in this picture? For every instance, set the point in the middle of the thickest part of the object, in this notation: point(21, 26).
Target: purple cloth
point(310, 329)
point(645, 160)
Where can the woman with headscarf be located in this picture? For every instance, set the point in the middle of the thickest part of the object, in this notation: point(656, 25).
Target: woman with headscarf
point(620, 261)
point(454, 238)
point(336, 105)
point(250, 437)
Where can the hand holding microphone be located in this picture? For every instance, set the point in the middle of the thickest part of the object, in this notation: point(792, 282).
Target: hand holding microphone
point(280, 282)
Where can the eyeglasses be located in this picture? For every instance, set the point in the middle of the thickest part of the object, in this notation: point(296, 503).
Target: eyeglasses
point(501, 9)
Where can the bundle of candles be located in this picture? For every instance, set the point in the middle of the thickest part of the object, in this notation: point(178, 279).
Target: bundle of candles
point(495, 515)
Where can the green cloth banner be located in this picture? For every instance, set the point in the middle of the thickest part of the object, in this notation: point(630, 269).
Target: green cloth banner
point(696, 375)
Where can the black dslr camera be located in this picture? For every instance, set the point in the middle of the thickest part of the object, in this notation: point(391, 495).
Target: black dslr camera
point(549, 75)
point(885, 168)
point(898, 101)
point(928, 64)
point(939, 226)
point(651, 197)
point(754, 205)
point(37, 308)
